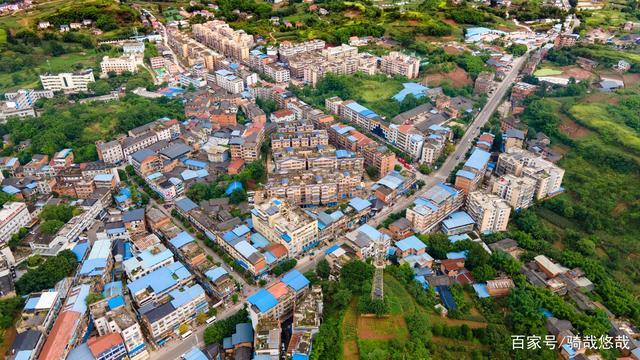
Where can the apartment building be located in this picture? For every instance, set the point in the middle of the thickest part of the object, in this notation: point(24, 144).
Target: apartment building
point(13, 216)
point(193, 52)
point(278, 73)
point(317, 158)
point(157, 62)
point(133, 47)
point(433, 206)
point(288, 49)
point(228, 81)
point(119, 65)
point(301, 135)
point(565, 40)
point(365, 241)
point(277, 301)
point(484, 83)
point(219, 36)
point(247, 145)
point(321, 187)
point(282, 116)
point(517, 191)
point(70, 83)
point(523, 163)
point(490, 212)
point(374, 154)
point(432, 148)
point(184, 304)
point(522, 90)
point(353, 112)
point(344, 59)
point(407, 139)
point(472, 173)
point(287, 224)
point(111, 315)
point(164, 129)
point(396, 63)
point(110, 152)
point(26, 98)
point(155, 286)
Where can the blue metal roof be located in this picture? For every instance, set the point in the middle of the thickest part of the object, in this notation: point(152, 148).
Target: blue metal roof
point(412, 242)
point(161, 279)
point(80, 250)
point(416, 89)
point(215, 273)
point(195, 163)
point(186, 294)
point(263, 300)
point(185, 204)
point(245, 249)
point(466, 174)
point(258, 241)
point(241, 230)
point(359, 204)
point(115, 302)
point(481, 290)
point(103, 177)
point(236, 185)
point(295, 280)
point(457, 255)
point(181, 239)
point(478, 159)
point(243, 334)
point(112, 289)
point(194, 354)
point(458, 219)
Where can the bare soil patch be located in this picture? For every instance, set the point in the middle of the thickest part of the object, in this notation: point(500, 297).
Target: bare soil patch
point(576, 72)
point(573, 130)
point(457, 78)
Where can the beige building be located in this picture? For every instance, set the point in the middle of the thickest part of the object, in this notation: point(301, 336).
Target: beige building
point(219, 36)
point(517, 191)
point(287, 224)
point(523, 163)
point(490, 212)
point(396, 63)
point(434, 206)
point(119, 65)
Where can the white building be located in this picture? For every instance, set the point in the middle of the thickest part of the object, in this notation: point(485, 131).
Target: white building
point(396, 63)
point(13, 216)
point(517, 191)
point(228, 81)
point(133, 48)
point(68, 82)
point(490, 212)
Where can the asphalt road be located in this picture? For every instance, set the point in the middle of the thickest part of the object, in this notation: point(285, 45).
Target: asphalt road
point(454, 158)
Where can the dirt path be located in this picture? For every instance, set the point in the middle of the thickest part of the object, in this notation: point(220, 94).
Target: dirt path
point(458, 322)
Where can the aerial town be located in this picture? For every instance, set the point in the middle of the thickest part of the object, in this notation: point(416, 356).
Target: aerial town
point(319, 179)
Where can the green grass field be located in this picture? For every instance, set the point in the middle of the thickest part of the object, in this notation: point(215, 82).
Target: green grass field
point(547, 72)
point(595, 116)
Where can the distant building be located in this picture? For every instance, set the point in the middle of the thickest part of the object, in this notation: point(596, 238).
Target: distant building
point(68, 82)
point(490, 212)
point(396, 63)
point(565, 40)
point(119, 65)
point(13, 216)
point(523, 163)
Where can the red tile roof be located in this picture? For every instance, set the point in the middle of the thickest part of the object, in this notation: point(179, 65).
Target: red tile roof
point(99, 344)
point(60, 336)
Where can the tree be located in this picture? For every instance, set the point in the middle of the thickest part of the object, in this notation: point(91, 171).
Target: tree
point(51, 227)
point(323, 269)
point(372, 172)
point(223, 328)
point(234, 298)
point(202, 318)
point(93, 297)
point(183, 328)
point(48, 274)
point(237, 196)
point(457, 131)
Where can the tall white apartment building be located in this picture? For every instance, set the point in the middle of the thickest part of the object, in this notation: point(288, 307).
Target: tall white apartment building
point(119, 65)
point(68, 82)
point(278, 73)
point(26, 98)
point(489, 211)
point(286, 224)
point(228, 81)
point(13, 216)
point(396, 63)
point(432, 148)
point(517, 191)
point(404, 138)
point(520, 162)
point(110, 152)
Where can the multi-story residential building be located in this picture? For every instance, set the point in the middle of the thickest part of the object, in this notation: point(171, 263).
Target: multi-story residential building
point(147, 261)
point(288, 50)
point(565, 40)
point(490, 212)
point(517, 191)
point(519, 162)
point(184, 304)
point(107, 347)
point(314, 188)
point(69, 325)
point(219, 36)
point(277, 301)
point(119, 65)
point(157, 62)
point(133, 47)
point(432, 148)
point(165, 129)
point(521, 91)
point(318, 158)
point(111, 315)
point(20, 103)
point(365, 241)
point(354, 113)
point(282, 116)
point(13, 216)
point(156, 285)
point(278, 73)
point(434, 206)
point(298, 135)
point(132, 144)
point(472, 173)
point(110, 152)
point(68, 82)
point(407, 139)
point(287, 224)
point(396, 63)
point(228, 81)
point(247, 145)
point(484, 83)
point(191, 51)
point(375, 155)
